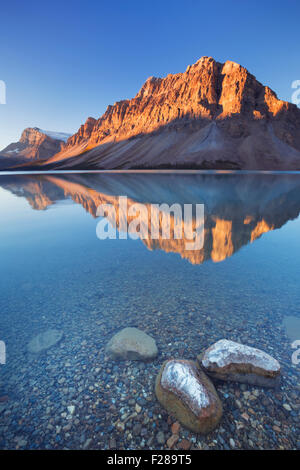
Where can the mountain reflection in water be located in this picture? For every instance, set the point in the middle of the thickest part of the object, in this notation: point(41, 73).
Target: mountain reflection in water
point(239, 208)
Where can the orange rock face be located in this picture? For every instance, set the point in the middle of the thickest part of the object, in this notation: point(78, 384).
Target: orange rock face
point(207, 90)
point(35, 144)
point(212, 115)
point(84, 132)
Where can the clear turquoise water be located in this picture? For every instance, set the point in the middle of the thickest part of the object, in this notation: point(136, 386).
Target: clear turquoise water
point(56, 273)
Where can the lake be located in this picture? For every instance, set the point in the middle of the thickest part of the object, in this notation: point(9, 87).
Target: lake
point(242, 283)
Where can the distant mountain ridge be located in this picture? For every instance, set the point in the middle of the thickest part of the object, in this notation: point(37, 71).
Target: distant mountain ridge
point(213, 115)
point(34, 144)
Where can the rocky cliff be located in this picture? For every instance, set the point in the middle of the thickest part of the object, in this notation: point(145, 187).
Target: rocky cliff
point(213, 115)
point(34, 144)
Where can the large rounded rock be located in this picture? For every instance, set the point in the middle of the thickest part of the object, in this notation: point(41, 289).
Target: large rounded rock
point(44, 341)
point(188, 394)
point(228, 360)
point(132, 344)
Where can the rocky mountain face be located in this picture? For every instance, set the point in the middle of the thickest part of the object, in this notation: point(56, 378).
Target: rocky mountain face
point(213, 115)
point(34, 144)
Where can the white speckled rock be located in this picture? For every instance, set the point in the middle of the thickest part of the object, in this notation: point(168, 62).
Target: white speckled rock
point(132, 344)
point(228, 360)
point(187, 393)
point(44, 341)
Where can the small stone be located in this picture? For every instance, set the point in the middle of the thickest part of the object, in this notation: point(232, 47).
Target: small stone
point(287, 407)
point(160, 437)
point(137, 429)
point(22, 442)
point(120, 426)
point(172, 441)
point(232, 443)
point(138, 408)
point(184, 444)
point(112, 443)
point(175, 428)
point(71, 409)
point(150, 441)
point(87, 443)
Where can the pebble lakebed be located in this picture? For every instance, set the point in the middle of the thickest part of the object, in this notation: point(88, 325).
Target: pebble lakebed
point(114, 404)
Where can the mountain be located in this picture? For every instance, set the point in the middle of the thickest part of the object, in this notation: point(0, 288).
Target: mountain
point(239, 209)
point(213, 115)
point(34, 144)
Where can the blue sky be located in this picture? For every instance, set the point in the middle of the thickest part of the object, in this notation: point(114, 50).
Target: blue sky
point(63, 61)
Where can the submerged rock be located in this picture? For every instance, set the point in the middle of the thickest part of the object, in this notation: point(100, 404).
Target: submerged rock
point(188, 394)
point(132, 344)
point(228, 360)
point(44, 341)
